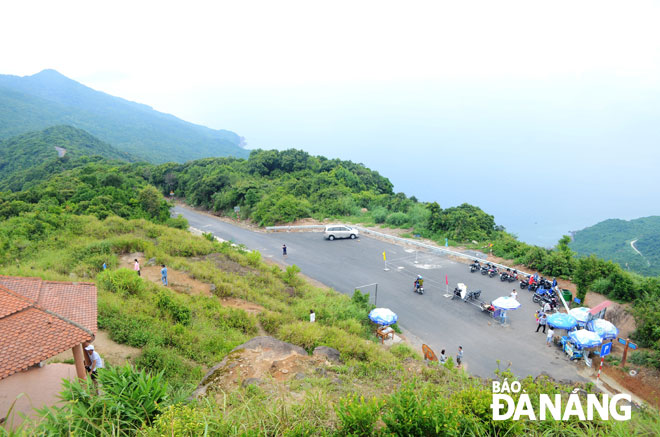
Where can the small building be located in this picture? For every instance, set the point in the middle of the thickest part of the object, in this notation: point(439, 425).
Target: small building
point(38, 320)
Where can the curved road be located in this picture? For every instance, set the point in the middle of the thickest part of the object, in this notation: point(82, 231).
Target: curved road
point(440, 322)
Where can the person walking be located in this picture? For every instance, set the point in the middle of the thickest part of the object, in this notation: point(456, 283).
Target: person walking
point(284, 250)
point(543, 320)
point(551, 333)
point(163, 275)
point(312, 316)
point(554, 282)
point(459, 357)
point(136, 267)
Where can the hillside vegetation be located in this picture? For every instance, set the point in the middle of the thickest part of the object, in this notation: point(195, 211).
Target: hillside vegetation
point(67, 222)
point(611, 239)
point(48, 98)
point(375, 391)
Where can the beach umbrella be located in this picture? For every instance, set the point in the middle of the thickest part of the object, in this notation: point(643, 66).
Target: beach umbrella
point(585, 338)
point(383, 316)
point(562, 321)
point(581, 314)
point(506, 303)
point(603, 328)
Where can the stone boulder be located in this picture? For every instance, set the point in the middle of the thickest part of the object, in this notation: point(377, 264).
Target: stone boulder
point(328, 353)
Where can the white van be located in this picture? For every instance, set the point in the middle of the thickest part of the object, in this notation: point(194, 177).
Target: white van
point(340, 231)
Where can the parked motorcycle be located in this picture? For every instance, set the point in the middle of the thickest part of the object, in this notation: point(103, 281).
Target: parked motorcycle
point(524, 283)
point(492, 271)
point(485, 268)
point(543, 295)
point(508, 275)
point(475, 266)
point(552, 300)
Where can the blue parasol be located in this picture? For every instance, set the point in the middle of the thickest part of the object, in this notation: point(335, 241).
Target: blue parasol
point(585, 339)
point(383, 316)
point(562, 321)
point(603, 328)
point(581, 314)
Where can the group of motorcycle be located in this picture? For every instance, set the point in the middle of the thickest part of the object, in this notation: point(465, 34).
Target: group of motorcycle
point(491, 271)
point(542, 288)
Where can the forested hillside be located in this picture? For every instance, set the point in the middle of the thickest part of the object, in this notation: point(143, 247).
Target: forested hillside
point(35, 156)
point(611, 239)
point(48, 98)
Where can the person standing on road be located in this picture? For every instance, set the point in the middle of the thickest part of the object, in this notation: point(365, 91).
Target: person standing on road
point(514, 294)
point(554, 282)
point(542, 322)
point(284, 250)
point(443, 357)
point(459, 356)
point(137, 267)
point(551, 333)
point(163, 274)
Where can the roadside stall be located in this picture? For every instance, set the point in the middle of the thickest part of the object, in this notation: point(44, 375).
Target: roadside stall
point(384, 317)
point(504, 304)
point(576, 343)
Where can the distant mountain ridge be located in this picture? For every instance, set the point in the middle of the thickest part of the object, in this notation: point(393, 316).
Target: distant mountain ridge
point(614, 239)
point(34, 156)
point(49, 98)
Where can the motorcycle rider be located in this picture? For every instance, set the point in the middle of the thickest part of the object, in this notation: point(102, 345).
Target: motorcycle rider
point(419, 282)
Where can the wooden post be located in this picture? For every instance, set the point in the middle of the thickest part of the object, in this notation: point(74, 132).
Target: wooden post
point(625, 353)
point(78, 358)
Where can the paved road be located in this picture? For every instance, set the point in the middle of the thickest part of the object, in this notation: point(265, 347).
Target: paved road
point(440, 322)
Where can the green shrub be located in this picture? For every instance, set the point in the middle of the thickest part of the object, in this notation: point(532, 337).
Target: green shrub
point(379, 214)
point(649, 358)
point(121, 281)
point(290, 275)
point(253, 258)
point(167, 361)
point(124, 328)
point(271, 321)
point(601, 285)
point(186, 420)
point(176, 244)
point(357, 416)
point(208, 235)
point(179, 222)
point(398, 219)
point(128, 400)
point(418, 411)
point(403, 351)
point(167, 301)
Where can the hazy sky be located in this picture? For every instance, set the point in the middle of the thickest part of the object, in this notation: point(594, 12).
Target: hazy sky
point(545, 114)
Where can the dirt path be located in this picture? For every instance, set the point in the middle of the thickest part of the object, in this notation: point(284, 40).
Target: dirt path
point(182, 282)
point(178, 281)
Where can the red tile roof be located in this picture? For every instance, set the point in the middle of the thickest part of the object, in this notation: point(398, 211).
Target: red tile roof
point(11, 303)
point(39, 319)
